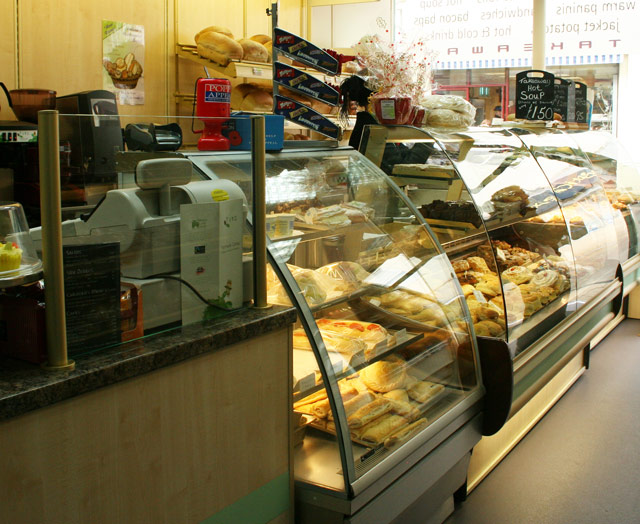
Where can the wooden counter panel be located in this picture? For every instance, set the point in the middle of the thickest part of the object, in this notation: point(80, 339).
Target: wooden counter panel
point(175, 445)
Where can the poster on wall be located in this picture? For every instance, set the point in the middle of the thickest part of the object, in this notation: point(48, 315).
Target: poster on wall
point(123, 61)
point(499, 33)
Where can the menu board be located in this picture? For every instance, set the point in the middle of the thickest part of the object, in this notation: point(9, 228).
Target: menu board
point(582, 106)
point(564, 99)
point(92, 295)
point(535, 95)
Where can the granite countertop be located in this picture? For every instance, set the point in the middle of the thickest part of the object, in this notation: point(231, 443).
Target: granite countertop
point(25, 387)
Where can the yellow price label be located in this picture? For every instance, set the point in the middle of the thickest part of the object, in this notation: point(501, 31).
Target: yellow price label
point(219, 195)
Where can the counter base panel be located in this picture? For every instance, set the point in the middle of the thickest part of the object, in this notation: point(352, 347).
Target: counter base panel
point(491, 450)
point(606, 330)
point(426, 489)
point(179, 444)
point(633, 310)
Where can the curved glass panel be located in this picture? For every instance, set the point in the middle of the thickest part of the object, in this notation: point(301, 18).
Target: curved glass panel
point(381, 317)
point(598, 232)
point(485, 197)
point(619, 176)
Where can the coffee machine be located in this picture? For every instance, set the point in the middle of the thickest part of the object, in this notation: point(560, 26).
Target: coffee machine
point(94, 140)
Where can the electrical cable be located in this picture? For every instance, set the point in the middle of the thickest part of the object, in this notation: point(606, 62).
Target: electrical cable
point(184, 282)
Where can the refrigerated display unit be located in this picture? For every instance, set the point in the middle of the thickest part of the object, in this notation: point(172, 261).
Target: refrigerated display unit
point(388, 396)
point(534, 243)
point(621, 181)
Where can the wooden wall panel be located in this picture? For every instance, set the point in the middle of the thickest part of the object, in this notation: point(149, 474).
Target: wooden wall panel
point(175, 445)
point(194, 15)
point(7, 54)
point(61, 46)
point(257, 21)
point(290, 16)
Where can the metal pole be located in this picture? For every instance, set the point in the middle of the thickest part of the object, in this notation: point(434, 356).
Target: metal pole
point(538, 34)
point(50, 204)
point(259, 211)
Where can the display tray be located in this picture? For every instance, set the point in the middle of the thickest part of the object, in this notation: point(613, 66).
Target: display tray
point(524, 333)
point(342, 366)
point(400, 320)
point(451, 224)
point(327, 427)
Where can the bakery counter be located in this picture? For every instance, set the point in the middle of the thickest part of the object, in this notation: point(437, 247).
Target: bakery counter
point(25, 387)
point(189, 425)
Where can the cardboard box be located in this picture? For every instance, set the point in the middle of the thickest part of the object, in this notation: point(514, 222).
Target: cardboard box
point(211, 257)
point(238, 130)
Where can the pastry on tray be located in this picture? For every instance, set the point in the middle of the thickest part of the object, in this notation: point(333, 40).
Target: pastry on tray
point(422, 391)
point(379, 429)
point(334, 342)
point(383, 376)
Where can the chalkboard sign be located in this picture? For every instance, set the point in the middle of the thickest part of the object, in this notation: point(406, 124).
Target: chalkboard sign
point(534, 95)
point(92, 295)
point(582, 106)
point(561, 102)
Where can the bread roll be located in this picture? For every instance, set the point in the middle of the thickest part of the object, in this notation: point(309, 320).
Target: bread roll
point(257, 100)
point(269, 47)
point(253, 51)
point(238, 93)
point(214, 29)
point(219, 48)
point(261, 39)
point(369, 412)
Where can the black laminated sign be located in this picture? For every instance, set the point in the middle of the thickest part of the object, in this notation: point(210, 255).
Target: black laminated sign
point(292, 78)
point(307, 117)
point(582, 106)
point(535, 95)
point(303, 51)
point(563, 103)
point(92, 295)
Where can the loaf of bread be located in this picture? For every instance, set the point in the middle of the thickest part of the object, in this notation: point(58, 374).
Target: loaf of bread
point(214, 29)
point(253, 51)
point(218, 48)
point(261, 39)
point(257, 100)
point(238, 92)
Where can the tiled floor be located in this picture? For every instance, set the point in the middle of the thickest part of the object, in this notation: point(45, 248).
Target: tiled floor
point(581, 463)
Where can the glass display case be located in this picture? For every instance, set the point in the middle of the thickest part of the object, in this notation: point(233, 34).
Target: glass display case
point(619, 176)
point(589, 216)
point(384, 362)
point(529, 234)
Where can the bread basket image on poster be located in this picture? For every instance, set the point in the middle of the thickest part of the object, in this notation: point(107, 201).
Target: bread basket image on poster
point(124, 71)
